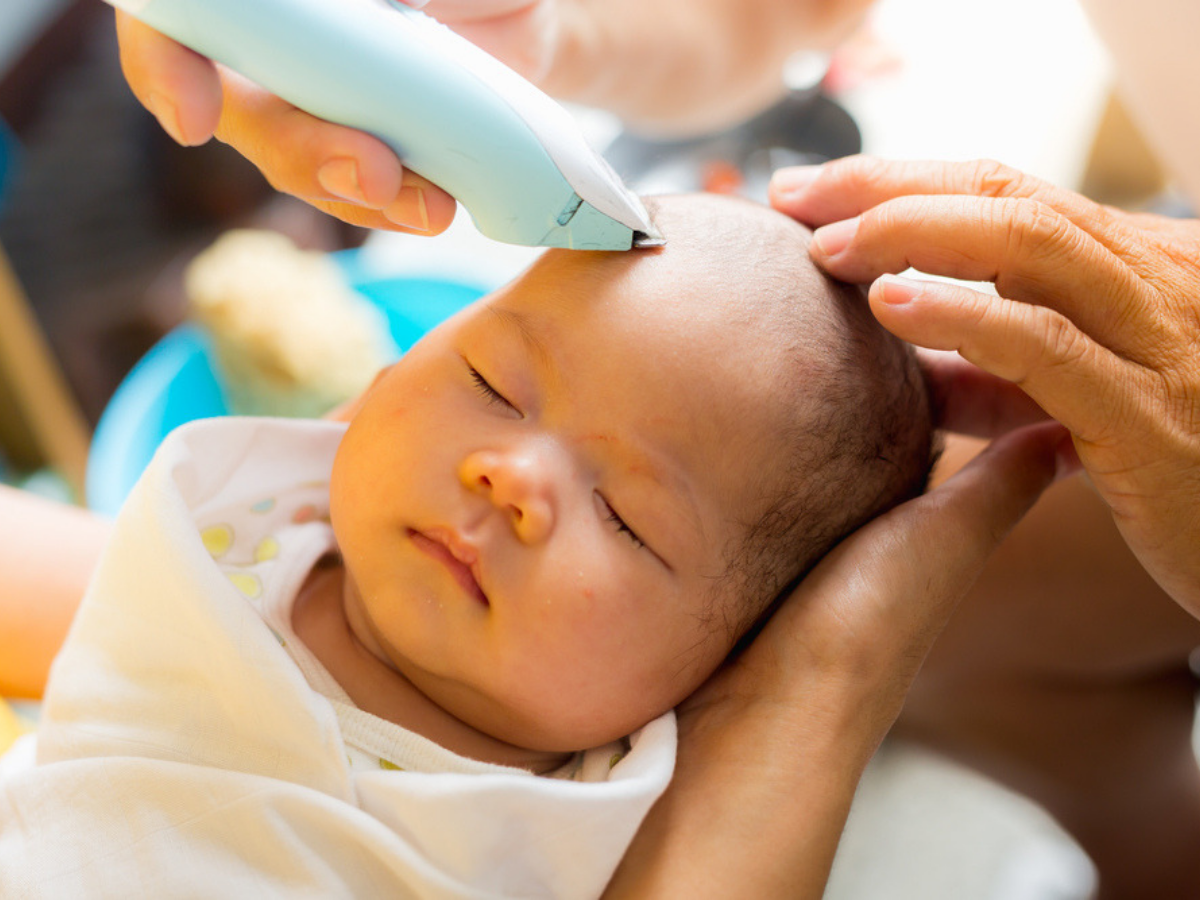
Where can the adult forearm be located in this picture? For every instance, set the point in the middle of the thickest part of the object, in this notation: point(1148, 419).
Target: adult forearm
point(47, 554)
point(753, 812)
point(688, 65)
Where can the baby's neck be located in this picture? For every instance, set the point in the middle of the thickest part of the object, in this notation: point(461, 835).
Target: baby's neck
point(319, 620)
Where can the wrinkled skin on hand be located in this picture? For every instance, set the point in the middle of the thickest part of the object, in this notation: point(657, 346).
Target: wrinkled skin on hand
point(1097, 318)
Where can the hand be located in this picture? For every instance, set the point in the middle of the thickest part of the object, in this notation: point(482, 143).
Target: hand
point(1097, 318)
point(774, 744)
point(344, 172)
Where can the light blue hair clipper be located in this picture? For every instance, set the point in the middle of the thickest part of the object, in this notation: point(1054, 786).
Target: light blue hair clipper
point(512, 156)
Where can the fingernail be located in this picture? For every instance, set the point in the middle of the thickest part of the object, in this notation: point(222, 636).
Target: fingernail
point(415, 4)
point(833, 239)
point(409, 209)
point(340, 178)
point(168, 117)
point(794, 179)
point(896, 290)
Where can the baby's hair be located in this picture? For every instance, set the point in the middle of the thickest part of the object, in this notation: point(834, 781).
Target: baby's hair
point(856, 432)
point(870, 447)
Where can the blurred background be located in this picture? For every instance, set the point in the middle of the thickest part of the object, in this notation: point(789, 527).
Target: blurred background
point(101, 208)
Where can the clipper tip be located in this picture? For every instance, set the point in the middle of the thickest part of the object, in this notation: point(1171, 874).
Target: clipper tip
point(643, 240)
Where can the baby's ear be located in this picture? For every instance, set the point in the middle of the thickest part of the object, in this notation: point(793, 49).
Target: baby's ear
point(344, 412)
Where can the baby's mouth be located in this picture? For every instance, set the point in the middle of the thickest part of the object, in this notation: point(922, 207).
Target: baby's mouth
point(460, 559)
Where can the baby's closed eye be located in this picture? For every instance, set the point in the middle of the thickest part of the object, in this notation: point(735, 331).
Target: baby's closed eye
point(622, 528)
point(486, 389)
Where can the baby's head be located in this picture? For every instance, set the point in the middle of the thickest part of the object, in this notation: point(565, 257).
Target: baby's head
point(563, 507)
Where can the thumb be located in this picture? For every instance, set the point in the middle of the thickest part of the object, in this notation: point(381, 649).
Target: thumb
point(928, 552)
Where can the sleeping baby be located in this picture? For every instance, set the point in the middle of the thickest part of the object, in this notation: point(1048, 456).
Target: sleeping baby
point(434, 651)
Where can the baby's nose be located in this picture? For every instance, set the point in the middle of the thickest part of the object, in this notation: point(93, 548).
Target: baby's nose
point(519, 484)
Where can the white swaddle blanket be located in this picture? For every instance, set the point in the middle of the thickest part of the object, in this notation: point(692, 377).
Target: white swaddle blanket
point(182, 752)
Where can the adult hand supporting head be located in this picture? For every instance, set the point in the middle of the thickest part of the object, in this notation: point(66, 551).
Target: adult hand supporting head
point(1097, 318)
point(772, 747)
point(344, 172)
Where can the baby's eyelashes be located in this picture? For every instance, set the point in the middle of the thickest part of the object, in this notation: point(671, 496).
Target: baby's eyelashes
point(489, 393)
point(622, 527)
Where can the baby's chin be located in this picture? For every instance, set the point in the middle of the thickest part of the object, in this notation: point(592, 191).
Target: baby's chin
point(558, 730)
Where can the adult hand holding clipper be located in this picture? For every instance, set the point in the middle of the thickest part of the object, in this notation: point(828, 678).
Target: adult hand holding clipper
point(468, 124)
point(354, 176)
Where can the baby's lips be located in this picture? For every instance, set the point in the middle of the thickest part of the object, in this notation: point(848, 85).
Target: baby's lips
point(460, 558)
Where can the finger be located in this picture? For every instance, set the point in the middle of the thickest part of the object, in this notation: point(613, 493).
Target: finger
point(181, 88)
point(1030, 251)
point(844, 188)
point(1066, 373)
point(291, 147)
point(929, 551)
point(978, 506)
point(970, 401)
point(438, 212)
point(341, 170)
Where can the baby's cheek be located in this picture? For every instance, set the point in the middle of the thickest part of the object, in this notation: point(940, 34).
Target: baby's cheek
point(362, 478)
point(340, 505)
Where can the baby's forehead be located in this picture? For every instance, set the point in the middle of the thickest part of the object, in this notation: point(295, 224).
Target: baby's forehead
point(725, 253)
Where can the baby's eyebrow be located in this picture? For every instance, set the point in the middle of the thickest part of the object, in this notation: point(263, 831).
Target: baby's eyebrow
point(522, 324)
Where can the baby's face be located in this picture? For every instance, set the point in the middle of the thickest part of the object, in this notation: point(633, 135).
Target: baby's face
point(536, 505)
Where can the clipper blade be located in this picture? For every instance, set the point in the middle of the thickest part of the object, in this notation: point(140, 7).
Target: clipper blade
point(652, 237)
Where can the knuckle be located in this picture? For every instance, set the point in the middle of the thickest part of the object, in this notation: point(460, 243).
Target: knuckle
point(1183, 410)
point(1186, 341)
point(1035, 231)
point(989, 178)
point(889, 217)
point(1061, 344)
